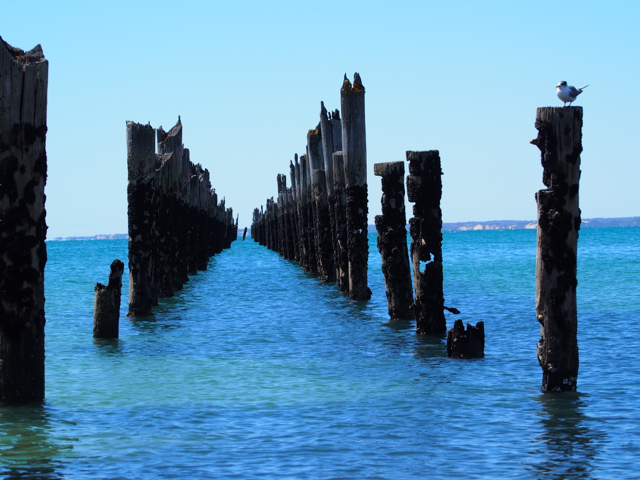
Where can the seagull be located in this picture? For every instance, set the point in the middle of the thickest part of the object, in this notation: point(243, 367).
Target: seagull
point(568, 93)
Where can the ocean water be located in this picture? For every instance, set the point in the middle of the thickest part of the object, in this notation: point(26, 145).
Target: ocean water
point(256, 370)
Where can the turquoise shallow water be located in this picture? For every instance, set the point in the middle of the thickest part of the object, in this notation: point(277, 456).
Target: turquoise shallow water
point(256, 370)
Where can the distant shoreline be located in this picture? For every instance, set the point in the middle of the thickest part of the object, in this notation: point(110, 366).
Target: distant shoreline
point(447, 227)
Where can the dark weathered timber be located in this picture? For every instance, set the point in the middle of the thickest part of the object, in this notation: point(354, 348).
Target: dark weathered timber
point(340, 222)
point(307, 237)
point(424, 189)
point(326, 269)
point(175, 222)
point(321, 221)
point(23, 253)
point(106, 306)
point(331, 129)
point(143, 210)
point(560, 143)
point(244, 234)
point(465, 344)
point(354, 150)
point(392, 241)
point(293, 212)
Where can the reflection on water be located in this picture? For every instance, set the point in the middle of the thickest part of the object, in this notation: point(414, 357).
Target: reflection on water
point(26, 448)
point(567, 444)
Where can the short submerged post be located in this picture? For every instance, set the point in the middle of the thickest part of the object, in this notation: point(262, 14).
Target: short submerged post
point(106, 307)
point(392, 241)
point(465, 344)
point(560, 143)
point(424, 189)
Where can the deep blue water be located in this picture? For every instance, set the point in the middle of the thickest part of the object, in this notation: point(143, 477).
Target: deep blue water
point(256, 370)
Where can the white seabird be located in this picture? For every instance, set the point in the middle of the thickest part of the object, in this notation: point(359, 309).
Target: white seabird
point(568, 93)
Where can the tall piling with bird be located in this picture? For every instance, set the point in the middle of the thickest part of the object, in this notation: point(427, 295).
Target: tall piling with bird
point(560, 143)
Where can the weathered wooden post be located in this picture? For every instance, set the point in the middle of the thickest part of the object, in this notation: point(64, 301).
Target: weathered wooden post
point(326, 269)
point(424, 189)
point(354, 150)
point(307, 238)
point(392, 241)
point(244, 234)
point(23, 253)
point(560, 142)
point(142, 206)
point(293, 209)
point(465, 344)
point(340, 221)
point(322, 222)
point(106, 306)
point(331, 129)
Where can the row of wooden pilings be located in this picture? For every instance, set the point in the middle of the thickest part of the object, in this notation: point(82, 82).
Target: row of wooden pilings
point(23, 255)
point(175, 220)
point(321, 220)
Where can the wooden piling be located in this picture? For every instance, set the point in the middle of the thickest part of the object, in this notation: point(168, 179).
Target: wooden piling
point(106, 306)
point(354, 149)
point(142, 213)
point(326, 269)
point(392, 241)
point(560, 143)
point(23, 254)
point(424, 189)
point(175, 222)
point(321, 220)
point(293, 212)
point(340, 222)
point(465, 344)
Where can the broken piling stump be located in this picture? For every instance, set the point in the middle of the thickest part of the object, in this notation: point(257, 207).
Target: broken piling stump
point(465, 344)
point(106, 306)
point(354, 150)
point(392, 241)
point(23, 252)
point(424, 189)
point(560, 143)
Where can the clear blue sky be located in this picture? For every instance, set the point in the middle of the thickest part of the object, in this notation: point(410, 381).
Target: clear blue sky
point(247, 78)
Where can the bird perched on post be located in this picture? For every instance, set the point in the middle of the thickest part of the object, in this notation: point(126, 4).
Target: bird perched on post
point(568, 93)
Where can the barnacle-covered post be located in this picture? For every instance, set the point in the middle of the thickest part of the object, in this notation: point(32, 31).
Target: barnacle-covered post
point(354, 150)
point(424, 189)
point(340, 222)
point(392, 241)
point(560, 143)
point(106, 306)
point(23, 253)
point(467, 343)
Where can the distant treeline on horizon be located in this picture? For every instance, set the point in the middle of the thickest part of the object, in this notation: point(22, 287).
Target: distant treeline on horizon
point(448, 227)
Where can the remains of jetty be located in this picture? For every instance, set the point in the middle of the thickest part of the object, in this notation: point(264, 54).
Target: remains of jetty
point(175, 220)
point(321, 220)
point(23, 253)
point(465, 344)
point(424, 189)
point(106, 307)
point(392, 241)
point(560, 143)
